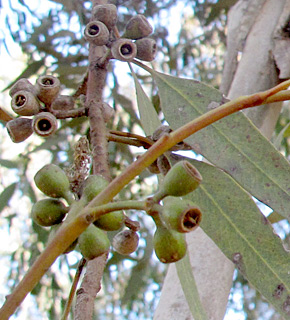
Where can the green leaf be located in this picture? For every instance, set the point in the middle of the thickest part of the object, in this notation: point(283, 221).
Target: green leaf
point(6, 195)
point(148, 116)
point(189, 288)
point(282, 134)
point(8, 164)
point(233, 221)
point(233, 143)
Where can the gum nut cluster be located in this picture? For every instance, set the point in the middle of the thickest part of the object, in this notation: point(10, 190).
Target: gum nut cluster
point(134, 43)
point(52, 212)
point(33, 104)
point(177, 216)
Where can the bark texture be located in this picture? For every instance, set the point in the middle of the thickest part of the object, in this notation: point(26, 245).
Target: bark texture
point(255, 43)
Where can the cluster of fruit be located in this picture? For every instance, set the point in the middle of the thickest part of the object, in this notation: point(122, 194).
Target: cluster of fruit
point(51, 212)
point(33, 103)
point(37, 105)
point(176, 216)
point(173, 218)
point(134, 43)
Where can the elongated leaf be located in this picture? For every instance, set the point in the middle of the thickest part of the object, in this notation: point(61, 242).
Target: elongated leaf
point(233, 143)
point(148, 116)
point(6, 195)
point(283, 133)
point(8, 163)
point(234, 222)
point(189, 288)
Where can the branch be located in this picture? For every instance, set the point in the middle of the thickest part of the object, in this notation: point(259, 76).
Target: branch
point(69, 302)
point(96, 81)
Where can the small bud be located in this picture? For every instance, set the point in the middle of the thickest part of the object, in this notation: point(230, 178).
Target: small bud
point(106, 13)
point(181, 215)
point(97, 33)
point(180, 180)
point(93, 242)
point(44, 124)
point(92, 186)
point(47, 88)
point(169, 245)
point(19, 129)
point(25, 103)
point(146, 49)
point(138, 27)
point(47, 212)
point(111, 221)
point(126, 242)
point(22, 85)
point(53, 181)
point(124, 50)
point(63, 102)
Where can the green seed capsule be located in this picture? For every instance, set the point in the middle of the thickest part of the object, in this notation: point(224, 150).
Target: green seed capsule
point(169, 245)
point(47, 212)
point(180, 180)
point(93, 242)
point(53, 182)
point(126, 242)
point(92, 186)
point(180, 214)
point(111, 221)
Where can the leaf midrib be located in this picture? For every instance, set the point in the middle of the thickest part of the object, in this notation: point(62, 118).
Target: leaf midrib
point(245, 239)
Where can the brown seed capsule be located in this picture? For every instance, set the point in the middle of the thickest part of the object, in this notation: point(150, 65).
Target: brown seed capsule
point(124, 50)
point(126, 242)
point(97, 33)
point(19, 129)
point(47, 88)
point(44, 124)
point(138, 27)
point(146, 49)
point(106, 13)
point(22, 84)
point(25, 103)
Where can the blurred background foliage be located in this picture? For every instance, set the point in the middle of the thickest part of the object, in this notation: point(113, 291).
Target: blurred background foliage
point(191, 36)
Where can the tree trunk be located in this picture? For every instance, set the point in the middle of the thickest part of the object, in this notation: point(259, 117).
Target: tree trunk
point(255, 47)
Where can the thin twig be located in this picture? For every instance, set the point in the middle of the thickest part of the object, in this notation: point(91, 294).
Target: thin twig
point(97, 72)
point(73, 289)
point(146, 140)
